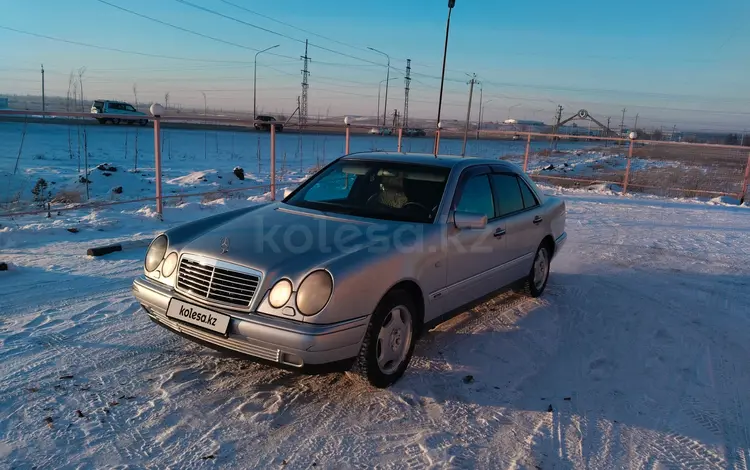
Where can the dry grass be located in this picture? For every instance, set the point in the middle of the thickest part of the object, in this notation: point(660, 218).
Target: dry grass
point(67, 197)
point(694, 171)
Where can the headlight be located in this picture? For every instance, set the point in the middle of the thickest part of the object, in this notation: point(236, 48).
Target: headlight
point(169, 264)
point(280, 293)
point(156, 252)
point(314, 292)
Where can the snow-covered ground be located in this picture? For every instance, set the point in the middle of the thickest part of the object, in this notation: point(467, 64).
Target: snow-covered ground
point(636, 357)
point(198, 161)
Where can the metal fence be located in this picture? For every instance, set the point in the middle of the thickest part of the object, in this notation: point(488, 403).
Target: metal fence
point(77, 142)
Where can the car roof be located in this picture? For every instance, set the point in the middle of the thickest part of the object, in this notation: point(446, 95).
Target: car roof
point(445, 161)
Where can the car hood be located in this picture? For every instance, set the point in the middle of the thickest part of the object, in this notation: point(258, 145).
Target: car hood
point(283, 240)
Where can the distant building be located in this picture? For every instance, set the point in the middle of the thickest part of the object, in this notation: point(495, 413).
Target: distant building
point(523, 122)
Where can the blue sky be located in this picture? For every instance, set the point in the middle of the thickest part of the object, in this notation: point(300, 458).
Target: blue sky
point(672, 62)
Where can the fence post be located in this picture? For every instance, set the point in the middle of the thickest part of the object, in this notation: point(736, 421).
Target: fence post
point(745, 182)
point(156, 111)
point(627, 167)
point(400, 136)
point(437, 139)
point(526, 155)
point(273, 162)
point(346, 140)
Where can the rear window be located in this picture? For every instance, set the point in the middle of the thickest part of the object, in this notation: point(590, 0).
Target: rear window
point(99, 104)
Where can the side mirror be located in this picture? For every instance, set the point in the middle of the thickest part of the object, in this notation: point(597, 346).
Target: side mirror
point(287, 192)
point(469, 220)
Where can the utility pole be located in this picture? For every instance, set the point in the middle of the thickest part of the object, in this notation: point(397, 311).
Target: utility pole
point(674, 131)
point(622, 122)
point(635, 127)
point(407, 81)
point(558, 119)
point(606, 142)
point(43, 104)
point(468, 112)
point(305, 86)
point(479, 119)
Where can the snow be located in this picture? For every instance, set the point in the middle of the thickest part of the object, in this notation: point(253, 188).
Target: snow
point(634, 357)
point(193, 161)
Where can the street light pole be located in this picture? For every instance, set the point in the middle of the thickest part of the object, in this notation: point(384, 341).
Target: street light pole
point(379, 85)
point(451, 4)
point(511, 107)
point(387, 80)
point(255, 76)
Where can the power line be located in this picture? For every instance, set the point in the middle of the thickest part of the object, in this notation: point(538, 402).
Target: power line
point(115, 49)
point(187, 30)
point(270, 31)
point(294, 27)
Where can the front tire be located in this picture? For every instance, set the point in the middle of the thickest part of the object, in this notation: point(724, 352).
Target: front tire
point(116, 122)
point(389, 341)
point(536, 281)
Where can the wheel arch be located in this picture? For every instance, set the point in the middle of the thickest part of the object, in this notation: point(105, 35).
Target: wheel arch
point(412, 289)
point(549, 242)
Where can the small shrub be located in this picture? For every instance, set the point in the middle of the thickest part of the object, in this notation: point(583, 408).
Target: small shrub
point(40, 192)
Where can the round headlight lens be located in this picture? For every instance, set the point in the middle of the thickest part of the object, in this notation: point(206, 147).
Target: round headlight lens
point(156, 252)
point(314, 292)
point(280, 293)
point(169, 264)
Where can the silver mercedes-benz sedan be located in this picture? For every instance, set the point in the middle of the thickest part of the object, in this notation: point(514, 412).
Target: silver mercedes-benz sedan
point(351, 265)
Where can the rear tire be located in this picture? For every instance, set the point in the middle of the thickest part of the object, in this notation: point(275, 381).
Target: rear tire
point(536, 281)
point(143, 122)
point(389, 341)
point(115, 121)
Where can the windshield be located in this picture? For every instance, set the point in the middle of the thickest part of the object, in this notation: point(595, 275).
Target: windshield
point(375, 189)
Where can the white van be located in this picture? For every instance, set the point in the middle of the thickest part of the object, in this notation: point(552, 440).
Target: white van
point(117, 107)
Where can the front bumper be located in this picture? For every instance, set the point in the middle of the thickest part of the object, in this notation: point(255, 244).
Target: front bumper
point(278, 340)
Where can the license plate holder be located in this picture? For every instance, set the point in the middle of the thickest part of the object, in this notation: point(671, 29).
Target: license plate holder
point(201, 317)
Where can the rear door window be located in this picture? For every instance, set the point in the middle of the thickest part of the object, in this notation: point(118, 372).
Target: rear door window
point(529, 200)
point(508, 197)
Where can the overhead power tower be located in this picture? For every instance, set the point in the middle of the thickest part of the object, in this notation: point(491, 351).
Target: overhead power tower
point(407, 82)
point(305, 86)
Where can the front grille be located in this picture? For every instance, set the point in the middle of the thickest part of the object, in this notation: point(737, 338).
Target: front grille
point(217, 283)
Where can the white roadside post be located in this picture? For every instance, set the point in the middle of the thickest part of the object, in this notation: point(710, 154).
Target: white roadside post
point(633, 135)
point(346, 139)
point(437, 138)
point(273, 162)
point(157, 110)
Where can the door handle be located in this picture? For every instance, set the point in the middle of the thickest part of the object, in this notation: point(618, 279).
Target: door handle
point(537, 220)
point(499, 233)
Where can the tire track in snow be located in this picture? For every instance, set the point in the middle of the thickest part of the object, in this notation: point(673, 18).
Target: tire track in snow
point(731, 409)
